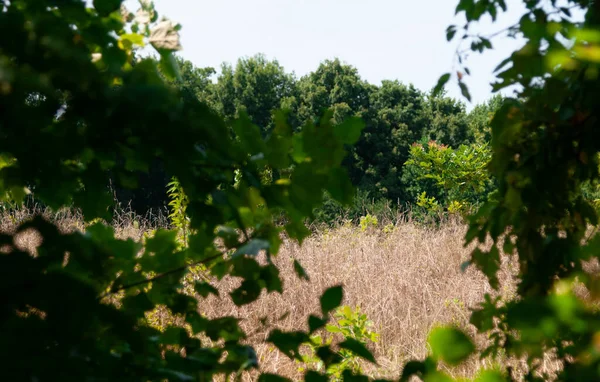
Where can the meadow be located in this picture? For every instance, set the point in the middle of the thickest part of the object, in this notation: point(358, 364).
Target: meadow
point(404, 275)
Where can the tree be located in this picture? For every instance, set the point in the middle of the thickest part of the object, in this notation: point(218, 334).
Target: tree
point(74, 106)
point(448, 122)
point(481, 116)
point(334, 86)
point(453, 177)
point(545, 143)
point(396, 119)
point(196, 81)
point(256, 87)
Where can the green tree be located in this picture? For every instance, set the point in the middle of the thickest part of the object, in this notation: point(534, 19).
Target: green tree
point(544, 152)
point(257, 87)
point(449, 175)
point(335, 86)
point(480, 118)
point(448, 123)
point(75, 105)
point(397, 118)
point(197, 82)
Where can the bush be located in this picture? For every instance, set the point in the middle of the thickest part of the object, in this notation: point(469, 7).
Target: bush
point(440, 177)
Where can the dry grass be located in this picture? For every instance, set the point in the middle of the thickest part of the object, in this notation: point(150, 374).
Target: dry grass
point(407, 281)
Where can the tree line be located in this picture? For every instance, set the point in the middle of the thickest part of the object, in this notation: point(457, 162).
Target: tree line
point(396, 115)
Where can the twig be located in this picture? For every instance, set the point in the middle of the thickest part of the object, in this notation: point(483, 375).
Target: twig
point(141, 282)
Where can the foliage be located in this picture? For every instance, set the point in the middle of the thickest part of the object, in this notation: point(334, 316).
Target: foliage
point(256, 87)
point(179, 204)
point(77, 108)
point(449, 177)
point(396, 115)
point(481, 116)
point(355, 329)
point(544, 152)
point(368, 221)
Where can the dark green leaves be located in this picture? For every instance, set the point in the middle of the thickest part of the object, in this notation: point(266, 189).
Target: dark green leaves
point(349, 131)
point(450, 345)
point(464, 90)
point(253, 247)
point(442, 81)
point(300, 270)
point(331, 299)
point(412, 368)
point(288, 342)
point(272, 378)
point(105, 7)
point(450, 32)
point(358, 348)
point(204, 289)
point(120, 118)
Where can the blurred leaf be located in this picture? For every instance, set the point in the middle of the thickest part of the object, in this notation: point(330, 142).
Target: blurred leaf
point(348, 132)
point(204, 289)
point(313, 376)
point(266, 377)
point(450, 345)
point(315, 323)
point(288, 343)
point(300, 272)
point(252, 248)
point(464, 90)
point(442, 81)
point(412, 368)
point(358, 348)
point(165, 37)
point(331, 299)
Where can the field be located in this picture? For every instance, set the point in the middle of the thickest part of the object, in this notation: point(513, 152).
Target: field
point(406, 279)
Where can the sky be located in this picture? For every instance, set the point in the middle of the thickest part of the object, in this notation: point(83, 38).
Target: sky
point(384, 39)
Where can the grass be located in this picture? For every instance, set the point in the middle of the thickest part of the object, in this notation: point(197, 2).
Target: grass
point(406, 278)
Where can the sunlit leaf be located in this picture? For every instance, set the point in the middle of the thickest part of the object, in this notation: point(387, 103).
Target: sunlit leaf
point(450, 345)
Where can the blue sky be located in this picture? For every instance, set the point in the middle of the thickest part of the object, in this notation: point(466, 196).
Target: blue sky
point(384, 39)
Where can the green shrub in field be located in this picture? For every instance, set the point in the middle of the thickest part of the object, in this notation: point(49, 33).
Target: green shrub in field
point(438, 177)
point(356, 330)
point(368, 221)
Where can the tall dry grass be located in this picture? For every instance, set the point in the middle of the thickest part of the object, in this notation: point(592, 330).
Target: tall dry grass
point(407, 281)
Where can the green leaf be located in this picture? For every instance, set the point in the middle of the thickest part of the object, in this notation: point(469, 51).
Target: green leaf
point(313, 376)
point(204, 289)
point(357, 348)
point(300, 272)
point(247, 292)
point(168, 65)
point(315, 323)
point(106, 7)
point(464, 90)
point(348, 375)
point(442, 81)
point(131, 39)
point(331, 299)
point(333, 329)
point(348, 132)
point(450, 32)
point(266, 377)
point(288, 342)
point(253, 247)
point(450, 345)
point(340, 187)
point(491, 376)
point(412, 368)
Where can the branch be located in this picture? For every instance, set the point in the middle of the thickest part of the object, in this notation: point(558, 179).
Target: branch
point(158, 277)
